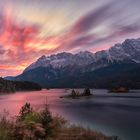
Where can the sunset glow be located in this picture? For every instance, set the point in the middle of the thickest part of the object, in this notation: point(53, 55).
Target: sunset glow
point(31, 28)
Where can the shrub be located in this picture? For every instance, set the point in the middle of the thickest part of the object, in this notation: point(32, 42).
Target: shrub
point(5, 127)
point(25, 110)
point(28, 125)
point(73, 93)
point(87, 92)
point(46, 119)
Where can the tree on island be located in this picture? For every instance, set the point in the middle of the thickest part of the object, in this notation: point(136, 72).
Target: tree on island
point(75, 93)
point(87, 92)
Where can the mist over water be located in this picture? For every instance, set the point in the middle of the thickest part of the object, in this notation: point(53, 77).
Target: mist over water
point(112, 114)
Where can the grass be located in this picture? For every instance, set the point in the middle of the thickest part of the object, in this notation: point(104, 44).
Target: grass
point(41, 125)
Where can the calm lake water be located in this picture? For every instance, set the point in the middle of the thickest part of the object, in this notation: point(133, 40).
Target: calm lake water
point(112, 114)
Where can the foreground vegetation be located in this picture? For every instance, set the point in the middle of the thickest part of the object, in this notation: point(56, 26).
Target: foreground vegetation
point(76, 94)
point(7, 86)
point(41, 125)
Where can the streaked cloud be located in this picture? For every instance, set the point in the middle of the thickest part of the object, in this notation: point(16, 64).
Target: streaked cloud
point(31, 28)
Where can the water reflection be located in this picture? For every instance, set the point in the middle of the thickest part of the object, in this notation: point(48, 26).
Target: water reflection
point(112, 114)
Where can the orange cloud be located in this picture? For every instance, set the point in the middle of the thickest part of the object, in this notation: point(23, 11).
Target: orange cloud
point(20, 44)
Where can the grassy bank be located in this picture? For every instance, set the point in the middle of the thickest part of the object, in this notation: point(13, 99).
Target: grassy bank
point(41, 125)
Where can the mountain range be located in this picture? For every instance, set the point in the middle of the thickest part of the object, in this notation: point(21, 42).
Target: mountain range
point(117, 66)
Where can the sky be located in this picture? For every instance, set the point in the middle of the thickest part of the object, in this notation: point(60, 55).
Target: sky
point(32, 28)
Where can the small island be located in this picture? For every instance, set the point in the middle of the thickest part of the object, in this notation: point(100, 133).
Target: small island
point(7, 86)
point(76, 94)
point(119, 90)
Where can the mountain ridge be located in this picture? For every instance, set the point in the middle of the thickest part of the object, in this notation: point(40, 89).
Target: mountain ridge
point(129, 50)
point(54, 68)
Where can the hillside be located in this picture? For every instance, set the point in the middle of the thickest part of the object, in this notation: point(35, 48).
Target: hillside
point(7, 86)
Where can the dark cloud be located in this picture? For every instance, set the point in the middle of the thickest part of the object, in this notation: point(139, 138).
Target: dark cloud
point(121, 32)
point(113, 16)
point(90, 20)
point(128, 29)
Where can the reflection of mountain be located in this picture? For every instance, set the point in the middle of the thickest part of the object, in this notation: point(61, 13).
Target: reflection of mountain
point(118, 65)
point(7, 86)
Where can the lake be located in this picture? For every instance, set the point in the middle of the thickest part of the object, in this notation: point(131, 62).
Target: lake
point(110, 113)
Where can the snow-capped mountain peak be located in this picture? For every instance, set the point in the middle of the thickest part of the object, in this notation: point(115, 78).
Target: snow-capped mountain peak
point(128, 51)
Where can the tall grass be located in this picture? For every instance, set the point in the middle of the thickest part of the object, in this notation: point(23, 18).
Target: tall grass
point(41, 125)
